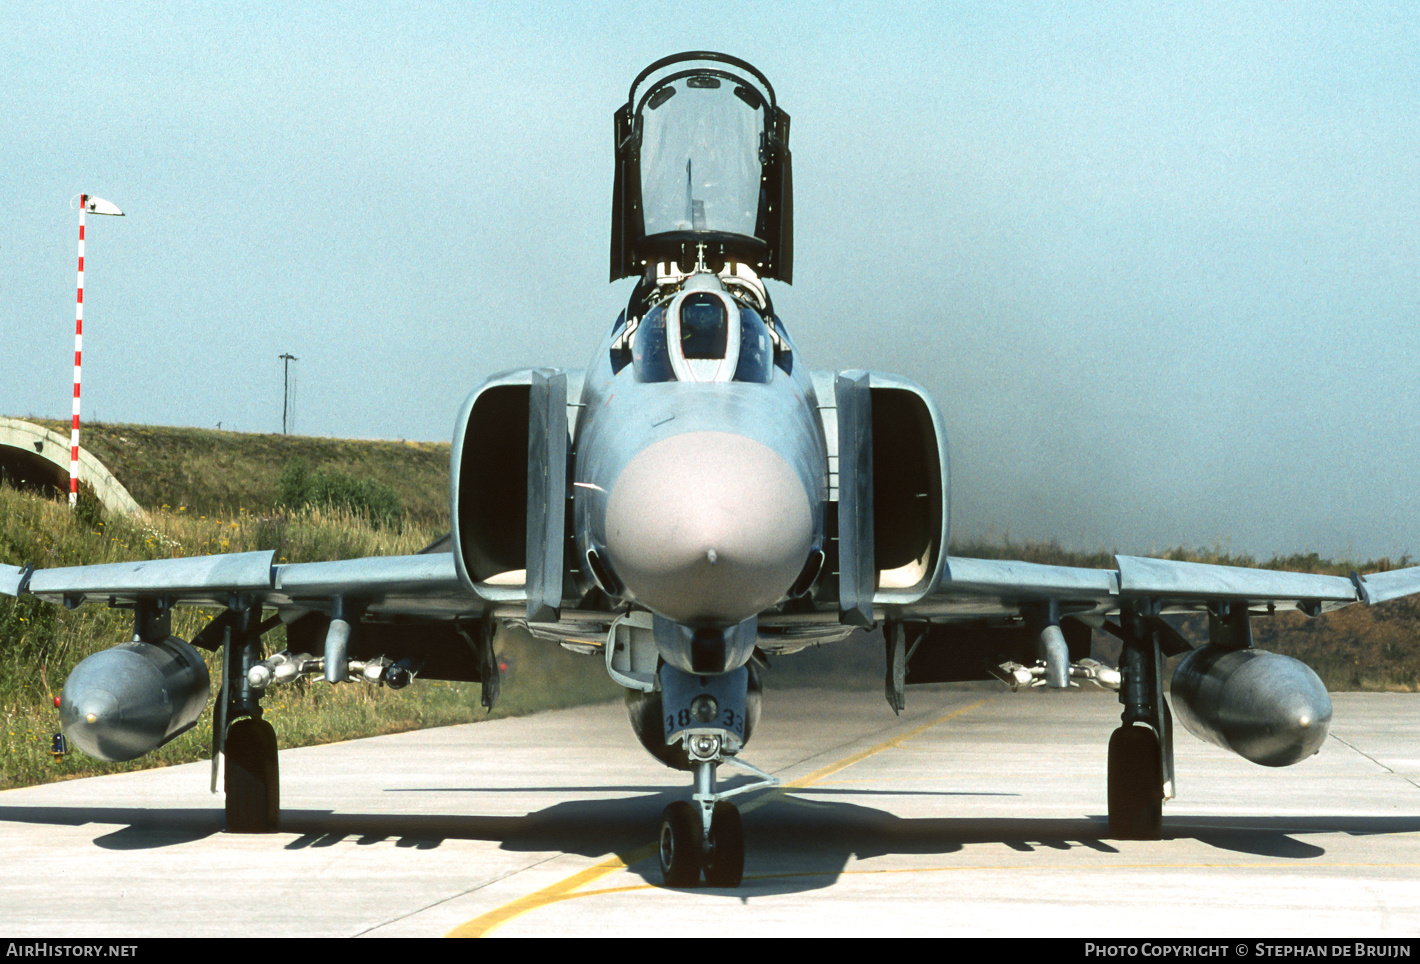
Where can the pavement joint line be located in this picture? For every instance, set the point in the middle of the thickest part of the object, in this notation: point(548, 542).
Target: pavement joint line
point(444, 900)
point(995, 868)
point(1378, 763)
point(565, 889)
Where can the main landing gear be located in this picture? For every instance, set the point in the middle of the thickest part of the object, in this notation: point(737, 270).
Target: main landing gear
point(705, 835)
point(251, 777)
point(1136, 799)
point(1141, 774)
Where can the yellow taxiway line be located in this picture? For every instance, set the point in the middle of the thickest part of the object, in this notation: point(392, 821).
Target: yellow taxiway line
point(566, 889)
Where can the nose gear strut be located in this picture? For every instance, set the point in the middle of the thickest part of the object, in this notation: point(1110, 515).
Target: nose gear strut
point(705, 833)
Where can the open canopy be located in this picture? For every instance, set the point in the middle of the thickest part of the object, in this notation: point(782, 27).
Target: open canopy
point(702, 158)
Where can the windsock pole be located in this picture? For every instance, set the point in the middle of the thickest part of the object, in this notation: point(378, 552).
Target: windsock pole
point(95, 205)
point(78, 357)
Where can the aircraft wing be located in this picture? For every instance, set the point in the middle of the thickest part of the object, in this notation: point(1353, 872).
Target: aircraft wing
point(1001, 615)
point(420, 585)
point(981, 587)
point(974, 588)
point(427, 585)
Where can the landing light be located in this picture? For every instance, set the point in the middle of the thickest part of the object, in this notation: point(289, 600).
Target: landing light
point(704, 708)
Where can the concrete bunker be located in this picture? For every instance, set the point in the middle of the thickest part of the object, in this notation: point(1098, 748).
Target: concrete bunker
point(34, 458)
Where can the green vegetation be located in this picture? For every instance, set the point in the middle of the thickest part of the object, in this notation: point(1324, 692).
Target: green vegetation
point(41, 643)
point(369, 500)
point(214, 473)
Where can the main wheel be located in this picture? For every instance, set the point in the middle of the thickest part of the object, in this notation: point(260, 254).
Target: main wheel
point(252, 779)
point(725, 862)
point(1136, 794)
point(681, 851)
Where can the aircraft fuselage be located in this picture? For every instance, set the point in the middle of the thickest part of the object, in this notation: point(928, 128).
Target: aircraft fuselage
point(701, 502)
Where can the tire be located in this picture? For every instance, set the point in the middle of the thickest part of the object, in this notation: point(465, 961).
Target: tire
point(251, 777)
point(725, 862)
point(681, 851)
point(1136, 794)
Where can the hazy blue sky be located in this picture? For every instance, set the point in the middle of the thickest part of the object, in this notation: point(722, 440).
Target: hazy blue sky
point(1157, 264)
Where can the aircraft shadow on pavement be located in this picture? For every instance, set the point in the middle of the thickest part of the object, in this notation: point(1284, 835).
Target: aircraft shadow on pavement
point(143, 828)
point(796, 842)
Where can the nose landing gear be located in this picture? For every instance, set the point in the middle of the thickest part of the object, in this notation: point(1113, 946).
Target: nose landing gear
point(705, 834)
point(686, 850)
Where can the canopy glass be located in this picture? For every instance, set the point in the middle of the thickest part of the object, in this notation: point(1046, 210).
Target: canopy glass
point(700, 156)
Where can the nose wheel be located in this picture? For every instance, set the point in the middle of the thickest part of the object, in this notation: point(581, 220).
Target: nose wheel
point(706, 835)
point(725, 853)
point(687, 850)
point(681, 845)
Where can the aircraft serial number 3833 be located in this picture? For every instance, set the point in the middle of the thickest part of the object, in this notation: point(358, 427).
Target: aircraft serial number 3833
point(695, 499)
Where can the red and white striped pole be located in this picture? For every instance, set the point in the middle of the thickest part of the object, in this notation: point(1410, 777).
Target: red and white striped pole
point(78, 355)
point(96, 206)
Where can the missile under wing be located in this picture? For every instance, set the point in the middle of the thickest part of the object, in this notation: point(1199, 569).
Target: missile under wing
point(698, 498)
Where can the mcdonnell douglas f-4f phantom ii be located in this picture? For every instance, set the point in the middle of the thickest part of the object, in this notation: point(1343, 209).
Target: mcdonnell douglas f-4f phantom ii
point(699, 497)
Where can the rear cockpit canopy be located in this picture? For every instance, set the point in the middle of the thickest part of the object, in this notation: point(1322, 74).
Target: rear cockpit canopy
point(702, 169)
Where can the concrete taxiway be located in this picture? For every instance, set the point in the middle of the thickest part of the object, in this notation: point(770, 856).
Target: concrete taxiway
point(977, 812)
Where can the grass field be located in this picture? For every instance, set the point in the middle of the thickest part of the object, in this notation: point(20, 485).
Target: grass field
point(209, 472)
point(41, 643)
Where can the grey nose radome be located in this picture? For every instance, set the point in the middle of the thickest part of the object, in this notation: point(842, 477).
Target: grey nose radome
point(708, 527)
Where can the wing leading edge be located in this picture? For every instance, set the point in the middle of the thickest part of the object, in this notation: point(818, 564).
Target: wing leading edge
point(976, 588)
point(428, 585)
point(418, 585)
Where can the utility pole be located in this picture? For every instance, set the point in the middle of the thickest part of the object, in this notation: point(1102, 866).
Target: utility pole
point(286, 361)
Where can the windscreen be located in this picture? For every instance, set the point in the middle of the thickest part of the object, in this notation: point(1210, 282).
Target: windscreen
point(703, 329)
point(700, 164)
point(703, 338)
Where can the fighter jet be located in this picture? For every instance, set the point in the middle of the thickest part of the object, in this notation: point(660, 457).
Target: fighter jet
point(696, 500)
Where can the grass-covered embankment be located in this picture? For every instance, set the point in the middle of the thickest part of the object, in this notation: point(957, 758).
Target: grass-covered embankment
point(212, 472)
point(40, 643)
